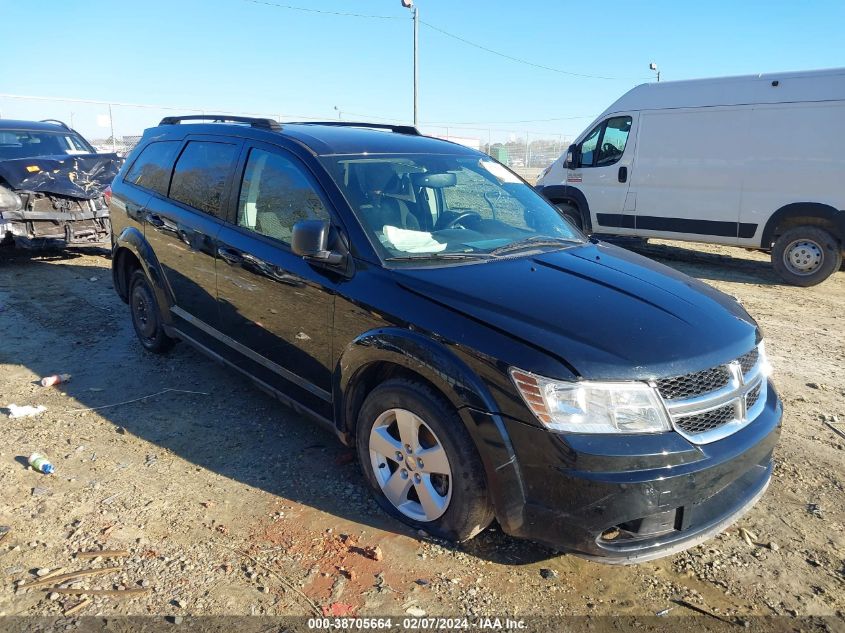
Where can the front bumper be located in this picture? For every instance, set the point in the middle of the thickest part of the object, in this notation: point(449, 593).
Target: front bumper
point(626, 499)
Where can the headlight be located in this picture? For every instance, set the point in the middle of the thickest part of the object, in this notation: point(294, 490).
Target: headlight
point(9, 200)
point(592, 407)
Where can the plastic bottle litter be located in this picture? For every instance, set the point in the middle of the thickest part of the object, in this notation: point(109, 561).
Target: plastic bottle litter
point(41, 463)
point(55, 379)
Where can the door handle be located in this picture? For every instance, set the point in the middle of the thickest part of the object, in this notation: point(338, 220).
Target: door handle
point(155, 220)
point(230, 256)
point(623, 174)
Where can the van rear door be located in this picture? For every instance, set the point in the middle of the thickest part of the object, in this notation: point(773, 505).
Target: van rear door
point(688, 173)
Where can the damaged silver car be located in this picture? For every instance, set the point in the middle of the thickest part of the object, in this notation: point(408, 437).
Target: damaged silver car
point(53, 185)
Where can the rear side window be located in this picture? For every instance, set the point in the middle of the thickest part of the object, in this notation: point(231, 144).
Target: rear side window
point(200, 175)
point(151, 169)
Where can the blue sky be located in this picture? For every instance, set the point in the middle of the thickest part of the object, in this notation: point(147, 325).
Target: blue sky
point(237, 55)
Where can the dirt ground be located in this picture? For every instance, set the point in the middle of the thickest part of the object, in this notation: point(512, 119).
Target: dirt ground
point(229, 503)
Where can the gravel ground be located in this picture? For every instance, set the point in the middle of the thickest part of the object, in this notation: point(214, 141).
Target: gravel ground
point(226, 502)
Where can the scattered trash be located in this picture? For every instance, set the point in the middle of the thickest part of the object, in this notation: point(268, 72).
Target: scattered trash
point(78, 607)
point(40, 463)
point(40, 491)
point(422, 582)
point(839, 432)
point(749, 537)
point(374, 552)
point(4, 532)
point(43, 571)
point(25, 411)
point(134, 591)
point(548, 573)
point(120, 430)
point(815, 509)
point(104, 553)
point(339, 609)
point(415, 611)
point(773, 546)
point(93, 279)
point(62, 578)
point(55, 379)
point(152, 395)
point(664, 612)
point(697, 609)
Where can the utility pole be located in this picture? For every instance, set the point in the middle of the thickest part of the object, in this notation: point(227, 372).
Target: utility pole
point(653, 66)
point(415, 12)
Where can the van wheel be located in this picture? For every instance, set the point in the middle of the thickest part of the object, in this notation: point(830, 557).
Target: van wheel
point(572, 214)
point(806, 256)
point(146, 315)
point(420, 461)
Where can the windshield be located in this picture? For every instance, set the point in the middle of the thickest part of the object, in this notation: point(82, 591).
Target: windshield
point(29, 144)
point(439, 207)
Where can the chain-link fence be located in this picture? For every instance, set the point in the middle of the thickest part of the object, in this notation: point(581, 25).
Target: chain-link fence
point(117, 127)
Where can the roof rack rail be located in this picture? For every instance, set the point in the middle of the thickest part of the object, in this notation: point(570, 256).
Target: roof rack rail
point(264, 124)
point(398, 129)
point(62, 123)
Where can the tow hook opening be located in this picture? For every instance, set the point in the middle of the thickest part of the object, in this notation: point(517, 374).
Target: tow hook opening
point(644, 527)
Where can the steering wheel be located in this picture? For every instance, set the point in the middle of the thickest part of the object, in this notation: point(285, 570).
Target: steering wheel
point(461, 216)
point(609, 149)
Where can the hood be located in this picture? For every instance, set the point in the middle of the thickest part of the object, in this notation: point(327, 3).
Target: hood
point(79, 176)
point(606, 312)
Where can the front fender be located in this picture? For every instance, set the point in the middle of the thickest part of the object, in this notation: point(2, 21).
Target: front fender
point(432, 360)
point(131, 240)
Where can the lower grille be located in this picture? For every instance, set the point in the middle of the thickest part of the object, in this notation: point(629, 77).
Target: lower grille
point(707, 421)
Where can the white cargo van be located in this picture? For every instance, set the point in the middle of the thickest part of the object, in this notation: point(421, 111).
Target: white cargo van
point(756, 161)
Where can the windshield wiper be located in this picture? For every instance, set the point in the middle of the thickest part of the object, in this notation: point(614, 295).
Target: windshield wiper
point(425, 256)
point(530, 242)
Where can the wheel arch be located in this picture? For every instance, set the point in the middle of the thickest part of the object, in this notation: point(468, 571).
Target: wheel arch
point(386, 353)
point(803, 213)
point(567, 194)
point(131, 251)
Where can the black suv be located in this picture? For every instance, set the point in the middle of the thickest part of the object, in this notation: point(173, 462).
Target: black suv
point(431, 309)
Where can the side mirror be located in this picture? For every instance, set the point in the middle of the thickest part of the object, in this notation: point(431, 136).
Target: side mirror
point(310, 240)
point(571, 160)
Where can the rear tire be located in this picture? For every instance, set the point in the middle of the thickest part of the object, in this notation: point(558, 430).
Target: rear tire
point(572, 214)
point(146, 315)
point(806, 256)
point(420, 462)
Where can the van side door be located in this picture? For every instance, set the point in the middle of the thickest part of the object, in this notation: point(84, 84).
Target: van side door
point(182, 229)
point(275, 307)
point(690, 164)
point(603, 173)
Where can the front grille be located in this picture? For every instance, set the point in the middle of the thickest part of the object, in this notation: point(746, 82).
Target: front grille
point(752, 396)
point(692, 385)
point(707, 421)
point(747, 361)
point(710, 404)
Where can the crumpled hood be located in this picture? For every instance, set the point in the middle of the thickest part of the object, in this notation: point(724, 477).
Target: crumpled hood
point(79, 176)
point(606, 312)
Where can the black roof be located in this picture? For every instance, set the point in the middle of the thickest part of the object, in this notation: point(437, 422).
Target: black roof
point(46, 126)
point(328, 138)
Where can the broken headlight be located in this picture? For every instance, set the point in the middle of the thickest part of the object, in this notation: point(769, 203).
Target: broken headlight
point(592, 407)
point(9, 200)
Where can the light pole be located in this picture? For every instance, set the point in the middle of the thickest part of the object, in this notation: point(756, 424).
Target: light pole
point(338, 113)
point(409, 4)
point(653, 66)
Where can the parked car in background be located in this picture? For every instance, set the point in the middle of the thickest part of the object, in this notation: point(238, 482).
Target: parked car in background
point(752, 161)
point(432, 310)
point(53, 185)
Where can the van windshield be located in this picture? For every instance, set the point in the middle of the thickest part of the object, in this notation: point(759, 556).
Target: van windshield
point(419, 207)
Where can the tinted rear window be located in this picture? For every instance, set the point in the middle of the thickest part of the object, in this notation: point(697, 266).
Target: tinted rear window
point(201, 173)
point(151, 169)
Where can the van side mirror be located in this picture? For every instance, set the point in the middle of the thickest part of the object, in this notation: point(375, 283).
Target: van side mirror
point(310, 240)
point(571, 160)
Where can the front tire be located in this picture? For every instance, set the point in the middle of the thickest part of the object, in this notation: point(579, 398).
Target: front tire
point(146, 315)
point(572, 214)
point(806, 256)
point(420, 462)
